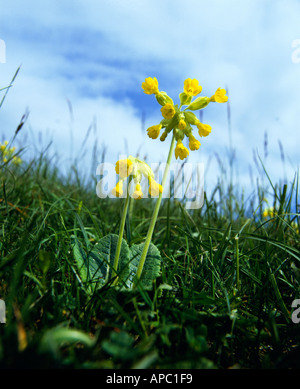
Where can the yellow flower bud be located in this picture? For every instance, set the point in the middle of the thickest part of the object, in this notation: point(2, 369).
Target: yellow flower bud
point(185, 99)
point(163, 99)
point(194, 143)
point(181, 124)
point(137, 194)
point(181, 151)
point(168, 111)
point(199, 103)
point(163, 136)
point(153, 132)
point(154, 187)
point(118, 189)
point(203, 129)
point(124, 167)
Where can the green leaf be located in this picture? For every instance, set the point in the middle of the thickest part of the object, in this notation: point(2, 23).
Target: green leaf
point(57, 337)
point(96, 268)
point(120, 345)
point(80, 258)
point(151, 267)
point(101, 259)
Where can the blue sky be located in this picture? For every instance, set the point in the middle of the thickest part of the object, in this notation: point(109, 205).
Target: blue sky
point(94, 55)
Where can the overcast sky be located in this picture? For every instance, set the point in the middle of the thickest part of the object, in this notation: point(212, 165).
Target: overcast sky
point(93, 56)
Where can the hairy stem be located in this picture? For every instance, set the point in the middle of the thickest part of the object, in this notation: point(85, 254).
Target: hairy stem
point(121, 233)
point(155, 213)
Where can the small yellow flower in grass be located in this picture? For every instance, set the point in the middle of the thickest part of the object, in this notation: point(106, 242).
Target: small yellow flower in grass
point(219, 96)
point(269, 212)
point(194, 144)
point(124, 167)
point(150, 86)
point(137, 169)
point(295, 227)
point(192, 87)
point(7, 154)
point(118, 189)
point(168, 111)
point(203, 129)
point(154, 187)
point(3, 146)
point(137, 194)
point(153, 132)
point(17, 160)
point(181, 151)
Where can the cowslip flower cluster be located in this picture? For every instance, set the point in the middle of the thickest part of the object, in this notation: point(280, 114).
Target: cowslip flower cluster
point(7, 154)
point(180, 122)
point(135, 168)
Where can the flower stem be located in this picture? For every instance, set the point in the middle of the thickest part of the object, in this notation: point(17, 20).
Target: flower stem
point(237, 262)
point(155, 213)
point(121, 232)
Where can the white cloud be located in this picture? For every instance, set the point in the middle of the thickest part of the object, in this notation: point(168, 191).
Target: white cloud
point(88, 51)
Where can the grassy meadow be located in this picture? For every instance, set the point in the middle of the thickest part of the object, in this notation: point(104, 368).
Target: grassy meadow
point(229, 273)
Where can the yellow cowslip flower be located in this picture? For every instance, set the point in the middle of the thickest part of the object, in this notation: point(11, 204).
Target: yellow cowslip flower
point(137, 169)
point(180, 121)
point(124, 167)
point(181, 151)
point(150, 86)
point(203, 129)
point(219, 96)
point(154, 187)
point(168, 111)
point(153, 131)
point(194, 144)
point(192, 87)
point(137, 194)
point(118, 189)
point(181, 124)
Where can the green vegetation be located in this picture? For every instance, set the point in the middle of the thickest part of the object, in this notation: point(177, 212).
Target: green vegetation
point(223, 297)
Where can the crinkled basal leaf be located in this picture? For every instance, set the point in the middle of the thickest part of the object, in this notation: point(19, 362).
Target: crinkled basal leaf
point(151, 267)
point(101, 259)
point(80, 258)
point(96, 268)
